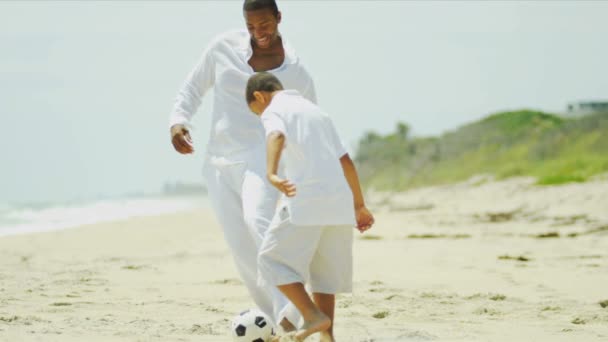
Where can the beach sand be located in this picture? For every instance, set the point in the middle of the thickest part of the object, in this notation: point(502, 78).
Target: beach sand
point(476, 261)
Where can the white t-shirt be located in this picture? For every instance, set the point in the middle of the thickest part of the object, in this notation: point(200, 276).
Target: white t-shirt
point(235, 130)
point(311, 158)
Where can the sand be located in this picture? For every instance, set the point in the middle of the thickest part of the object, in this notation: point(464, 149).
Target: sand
point(476, 261)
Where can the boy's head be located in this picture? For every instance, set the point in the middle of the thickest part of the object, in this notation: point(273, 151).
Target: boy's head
point(260, 89)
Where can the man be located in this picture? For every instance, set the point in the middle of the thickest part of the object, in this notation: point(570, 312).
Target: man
point(234, 168)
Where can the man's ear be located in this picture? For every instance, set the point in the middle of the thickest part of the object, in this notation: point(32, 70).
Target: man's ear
point(279, 17)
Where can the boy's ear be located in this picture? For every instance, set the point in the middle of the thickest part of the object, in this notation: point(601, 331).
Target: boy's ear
point(259, 97)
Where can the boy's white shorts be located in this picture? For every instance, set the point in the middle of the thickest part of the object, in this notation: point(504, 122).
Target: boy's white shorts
point(320, 256)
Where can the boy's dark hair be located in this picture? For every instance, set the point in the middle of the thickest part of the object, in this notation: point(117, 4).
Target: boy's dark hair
point(262, 81)
point(254, 5)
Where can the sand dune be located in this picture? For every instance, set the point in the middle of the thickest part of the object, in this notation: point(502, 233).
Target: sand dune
point(476, 261)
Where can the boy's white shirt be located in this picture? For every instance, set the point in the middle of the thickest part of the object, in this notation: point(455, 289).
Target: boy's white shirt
point(311, 160)
point(235, 130)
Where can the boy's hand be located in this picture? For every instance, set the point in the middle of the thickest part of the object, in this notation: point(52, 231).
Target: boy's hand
point(284, 186)
point(364, 218)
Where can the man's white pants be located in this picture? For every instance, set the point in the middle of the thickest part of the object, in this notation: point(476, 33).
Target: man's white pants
point(244, 203)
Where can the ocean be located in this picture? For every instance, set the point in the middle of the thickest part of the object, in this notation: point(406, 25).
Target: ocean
point(32, 218)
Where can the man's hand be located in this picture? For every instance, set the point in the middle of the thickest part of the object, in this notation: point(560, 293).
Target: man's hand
point(284, 186)
point(364, 218)
point(180, 137)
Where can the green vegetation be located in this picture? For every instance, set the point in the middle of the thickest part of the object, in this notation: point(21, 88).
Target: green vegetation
point(370, 237)
point(498, 297)
point(380, 315)
point(553, 149)
point(439, 236)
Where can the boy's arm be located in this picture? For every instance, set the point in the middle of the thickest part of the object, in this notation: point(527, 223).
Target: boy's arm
point(365, 219)
point(274, 147)
point(353, 180)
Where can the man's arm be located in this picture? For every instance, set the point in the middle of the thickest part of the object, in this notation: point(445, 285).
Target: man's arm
point(274, 147)
point(308, 90)
point(188, 99)
point(364, 218)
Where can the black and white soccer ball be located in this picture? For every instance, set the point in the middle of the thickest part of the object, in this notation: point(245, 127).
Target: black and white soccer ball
point(251, 326)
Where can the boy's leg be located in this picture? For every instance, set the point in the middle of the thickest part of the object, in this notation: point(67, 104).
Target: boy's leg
point(326, 303)
point(314, 319)
point(284, 261)
point(331, 271)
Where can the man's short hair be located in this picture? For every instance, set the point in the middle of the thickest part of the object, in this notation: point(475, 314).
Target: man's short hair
point(262, 81)
point(254, 5)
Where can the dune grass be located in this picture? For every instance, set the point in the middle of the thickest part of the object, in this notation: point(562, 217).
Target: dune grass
point(552, 149)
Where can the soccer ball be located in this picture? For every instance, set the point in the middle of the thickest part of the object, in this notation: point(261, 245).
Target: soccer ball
point(251, 326)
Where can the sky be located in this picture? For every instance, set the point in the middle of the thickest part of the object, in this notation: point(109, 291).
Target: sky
point(86, 87)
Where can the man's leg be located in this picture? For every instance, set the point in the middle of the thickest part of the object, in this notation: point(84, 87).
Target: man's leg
point(259, 201)
point(224, 193)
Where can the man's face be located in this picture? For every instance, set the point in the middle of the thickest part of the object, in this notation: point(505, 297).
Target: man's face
point(263, 26)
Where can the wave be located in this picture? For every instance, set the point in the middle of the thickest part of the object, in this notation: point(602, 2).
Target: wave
point(41, 217)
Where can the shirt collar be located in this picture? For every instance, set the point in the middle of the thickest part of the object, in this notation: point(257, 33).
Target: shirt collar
point(283, 93)
point(247, 50)
point(288, 92)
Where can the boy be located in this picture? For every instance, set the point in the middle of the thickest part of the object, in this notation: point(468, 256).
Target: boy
point(310, 238)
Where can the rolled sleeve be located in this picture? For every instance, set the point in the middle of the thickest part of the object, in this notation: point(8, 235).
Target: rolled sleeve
point(198, 82)
point(309, 91)
point(273, 123)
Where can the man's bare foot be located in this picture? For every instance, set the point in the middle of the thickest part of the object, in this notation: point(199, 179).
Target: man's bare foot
point(287, 326)
point(326, 337)
point(320, 322)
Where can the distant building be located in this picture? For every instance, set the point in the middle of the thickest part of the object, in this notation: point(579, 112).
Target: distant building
point(586, 107)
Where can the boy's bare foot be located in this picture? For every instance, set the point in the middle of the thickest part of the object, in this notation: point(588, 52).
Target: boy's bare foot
point(320, 322)
point(326, 337)
point(287, 326)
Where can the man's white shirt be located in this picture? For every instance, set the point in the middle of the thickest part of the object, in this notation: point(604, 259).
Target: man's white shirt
point(235, 130)
point(311, 160)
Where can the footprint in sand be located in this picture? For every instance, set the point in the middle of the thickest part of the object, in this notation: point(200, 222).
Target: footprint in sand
point(344, 303)
point(227, 281)
point(487, 311)
point(60, 304)
point(197, 329)
point(378, 287)
point(92, 281)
